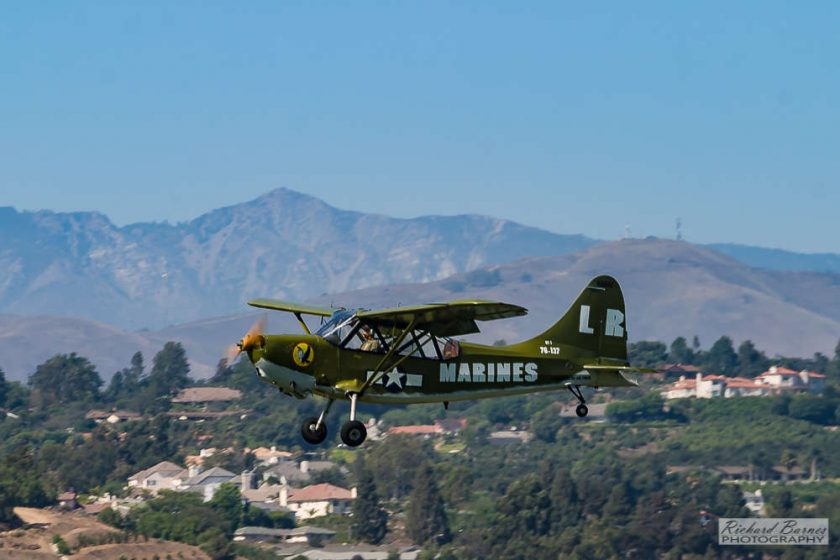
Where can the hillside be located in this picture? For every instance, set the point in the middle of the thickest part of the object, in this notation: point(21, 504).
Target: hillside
point(671, 288)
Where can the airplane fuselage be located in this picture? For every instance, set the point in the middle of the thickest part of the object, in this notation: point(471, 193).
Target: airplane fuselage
point(478, 372)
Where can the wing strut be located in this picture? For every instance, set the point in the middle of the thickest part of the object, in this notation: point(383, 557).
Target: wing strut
point(379, 371)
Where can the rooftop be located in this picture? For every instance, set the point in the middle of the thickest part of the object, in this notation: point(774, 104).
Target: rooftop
point(321, 492)
point(207, 394)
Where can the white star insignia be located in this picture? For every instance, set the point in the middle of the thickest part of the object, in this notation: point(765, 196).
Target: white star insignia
point(394, 378)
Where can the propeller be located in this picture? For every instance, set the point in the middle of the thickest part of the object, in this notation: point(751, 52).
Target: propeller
point(253, 339)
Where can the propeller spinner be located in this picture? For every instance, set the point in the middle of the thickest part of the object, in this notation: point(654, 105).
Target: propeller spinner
point(253, 339)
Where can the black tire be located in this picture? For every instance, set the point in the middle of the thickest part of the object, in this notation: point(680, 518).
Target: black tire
point(310, 433)
point(581, 410)
point(353, 433)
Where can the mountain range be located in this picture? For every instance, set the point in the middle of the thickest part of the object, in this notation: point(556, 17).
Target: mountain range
point(283, 245)
point(76, 282)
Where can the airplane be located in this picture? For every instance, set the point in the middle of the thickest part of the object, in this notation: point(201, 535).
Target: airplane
point(410, 354)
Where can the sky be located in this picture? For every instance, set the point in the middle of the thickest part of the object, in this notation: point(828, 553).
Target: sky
point(577, 117)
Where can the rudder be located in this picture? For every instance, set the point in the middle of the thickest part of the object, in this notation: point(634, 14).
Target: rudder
point(595, 323)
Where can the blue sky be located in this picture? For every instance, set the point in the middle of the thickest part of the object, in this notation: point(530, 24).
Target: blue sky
point(573, 117)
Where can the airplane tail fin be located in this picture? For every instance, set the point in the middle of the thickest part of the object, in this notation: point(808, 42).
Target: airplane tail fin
point(594, 327)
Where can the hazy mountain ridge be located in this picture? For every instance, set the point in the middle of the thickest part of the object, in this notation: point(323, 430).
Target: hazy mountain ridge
point(671, 289)
point(283, 244)
point(779, 259)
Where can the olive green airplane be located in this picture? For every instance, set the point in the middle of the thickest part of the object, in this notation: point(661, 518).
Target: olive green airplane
point(409, 355)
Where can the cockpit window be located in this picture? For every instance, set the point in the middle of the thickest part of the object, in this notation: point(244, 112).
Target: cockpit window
point(336, 328)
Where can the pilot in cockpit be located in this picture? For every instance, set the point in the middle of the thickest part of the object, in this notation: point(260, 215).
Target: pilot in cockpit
point(369, 344)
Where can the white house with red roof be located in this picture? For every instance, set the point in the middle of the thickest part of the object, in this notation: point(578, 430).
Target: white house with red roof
point(317, 500)
point(785, 379)
point(714, 386)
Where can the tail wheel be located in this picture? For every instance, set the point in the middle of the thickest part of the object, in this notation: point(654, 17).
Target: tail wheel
point(353, 433)
point(581, 410)
point(313, 433)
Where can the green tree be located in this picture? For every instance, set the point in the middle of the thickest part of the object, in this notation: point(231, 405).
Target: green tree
point(721, 357)
point(834, 367)
point(425, 517)
point(751, 361)
point(21, 484)
point(64, 378)
point(370, 521)
point(4, 388)
point(680, 353)
point(647, 353)
point(228, 502)
point(170, 370)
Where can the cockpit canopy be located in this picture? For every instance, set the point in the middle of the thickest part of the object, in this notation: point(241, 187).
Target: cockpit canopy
point(345, 330)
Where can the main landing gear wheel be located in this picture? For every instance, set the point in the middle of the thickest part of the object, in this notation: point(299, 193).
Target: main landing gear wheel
point(312, 432)
point(581, 409)
point(353, 433)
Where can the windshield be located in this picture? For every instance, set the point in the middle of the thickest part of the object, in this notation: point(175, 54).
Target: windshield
point(339, 317)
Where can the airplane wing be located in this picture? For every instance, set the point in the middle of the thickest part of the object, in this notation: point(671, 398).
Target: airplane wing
point(443, 319)
point(291, 307)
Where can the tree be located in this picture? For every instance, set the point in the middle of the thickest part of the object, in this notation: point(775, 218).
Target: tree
point(228, 502)
point(751, 361)
point(647, 353)
point(65, 378)
point(20, 485)
point(4, 388)
point(834, 366)
point(170, 370)
point(680, 353)
point(721, 357)
point(425, 517)
point(370, 521)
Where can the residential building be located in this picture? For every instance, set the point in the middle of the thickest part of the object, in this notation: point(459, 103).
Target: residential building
point(163, 476)
point(113, 416)
point(204, 395)
point(317, 500)
point(714, 386)
point(784, 379)
point(312, 536)
point(266, 456)
point(67, 500)
point(297, 473)
point(207, 482)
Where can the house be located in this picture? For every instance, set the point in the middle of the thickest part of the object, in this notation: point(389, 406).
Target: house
point(427, 430)
point(67, 500)
point(204, 395)
point(112, 417)
point(266, 456)
point(206, 483)
point(734, 473)
point(754, 501)
point(714, 386)
point(312, 536)
point(785, 474)
point(451, 426)
point(317, 500)
point(442, 426)
point(509, 437)
point(784, 379)
point(299, 473)
point(163, 476)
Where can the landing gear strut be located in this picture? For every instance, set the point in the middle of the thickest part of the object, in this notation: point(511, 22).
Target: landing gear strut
point(353, 432)
point(581, 409)
point(314, 430)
